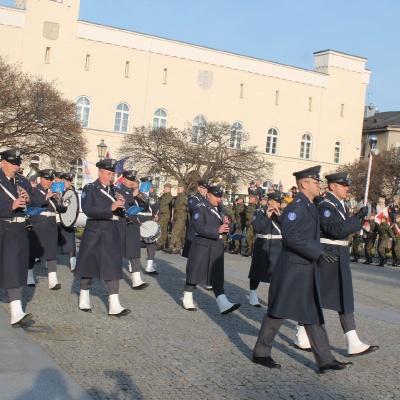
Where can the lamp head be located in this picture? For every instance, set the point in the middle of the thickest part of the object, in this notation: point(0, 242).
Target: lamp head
point(373, 140)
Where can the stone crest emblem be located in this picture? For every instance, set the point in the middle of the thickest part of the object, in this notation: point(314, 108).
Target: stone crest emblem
point(205, 79)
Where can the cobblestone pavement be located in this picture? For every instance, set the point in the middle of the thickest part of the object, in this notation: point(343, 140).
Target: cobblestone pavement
point(162, 351)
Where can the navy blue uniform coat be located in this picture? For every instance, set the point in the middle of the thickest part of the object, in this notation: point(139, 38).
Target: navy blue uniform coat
point(336, 280)
point(294, 292)
point(100, 254)
point(193, 201)
point(14, 238)
point(205, 265)
point(130, 234)
point(44, 235)
point(266, 251)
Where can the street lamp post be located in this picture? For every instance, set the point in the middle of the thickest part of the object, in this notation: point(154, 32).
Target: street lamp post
point(101, 149)
point(373, 140)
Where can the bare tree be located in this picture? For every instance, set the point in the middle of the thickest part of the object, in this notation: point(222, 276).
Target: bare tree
point(385, 175)
point(212, 151)
point(35, 117)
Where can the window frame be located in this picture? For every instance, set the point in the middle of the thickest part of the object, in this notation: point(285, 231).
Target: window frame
point(306, 146)
point(80, 113)
point(196, 137)
point(121, 119)
point(236, 139)
point(272, 136)
point(160, 118)
point(337, 154)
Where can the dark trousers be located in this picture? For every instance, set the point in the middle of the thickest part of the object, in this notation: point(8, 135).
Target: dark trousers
point(347, 321)
point(316, 334)
point(112, 286)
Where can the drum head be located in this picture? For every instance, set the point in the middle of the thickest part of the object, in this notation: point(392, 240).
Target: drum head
point(69, 218)
point(148, 229)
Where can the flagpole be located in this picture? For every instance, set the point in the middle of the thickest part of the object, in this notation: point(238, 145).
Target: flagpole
point(373, 140)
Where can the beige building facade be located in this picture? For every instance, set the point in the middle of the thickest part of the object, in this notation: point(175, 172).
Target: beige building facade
point(296, 117)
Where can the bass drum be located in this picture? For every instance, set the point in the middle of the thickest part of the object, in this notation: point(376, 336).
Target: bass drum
point(150, 231)
point(74, 215)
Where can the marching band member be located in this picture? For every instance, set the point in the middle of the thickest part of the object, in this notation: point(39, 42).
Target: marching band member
point(130, 228)
point(205, 265)
point(152, 214)
point(66, 235)
point(14, 239)
point(100, 250)
point(43, 238)
point(268, 243)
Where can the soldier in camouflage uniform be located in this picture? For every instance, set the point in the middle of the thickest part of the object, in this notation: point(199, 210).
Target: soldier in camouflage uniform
point(179, 220)
point(385, 232)
point(355, 246)
point(370, 234)
point(250, 236)
point(240, 218)
point(165, 207)
point(396, 243)
point(231, 216)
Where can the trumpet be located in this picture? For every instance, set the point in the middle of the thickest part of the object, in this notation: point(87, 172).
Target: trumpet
point(28, 225)
point(121, 212)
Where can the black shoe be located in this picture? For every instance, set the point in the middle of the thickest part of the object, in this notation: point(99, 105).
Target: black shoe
point(266, 362)
point(235, 251)
point(141, 286)
point(23, 322)
point(56, 287)
point(354, 259)
point(368, 262)
point(308, 350)
point(370, 349)
point(32, 285)
point(190, 309)
point(88, 310)
point(151, 272)
point(335, 365)
point(125, 311)
point(233, 308)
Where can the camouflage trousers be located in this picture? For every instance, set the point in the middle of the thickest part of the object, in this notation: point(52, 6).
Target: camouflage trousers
point(162, 240)
point(178, 233)
point(250, 239)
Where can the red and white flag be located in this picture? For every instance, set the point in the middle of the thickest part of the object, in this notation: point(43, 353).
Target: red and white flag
point(383, 213)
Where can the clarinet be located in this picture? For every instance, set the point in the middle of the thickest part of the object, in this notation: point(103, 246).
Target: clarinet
point(121, 212)
point(28, 225)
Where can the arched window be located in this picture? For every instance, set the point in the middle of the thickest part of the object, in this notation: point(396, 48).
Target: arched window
point(122, 114)
point(305, 146)
point(160, 118)
point(272, 141)
point(338, 152)
point(199, 129)
point(83, 107)
point(236, 135)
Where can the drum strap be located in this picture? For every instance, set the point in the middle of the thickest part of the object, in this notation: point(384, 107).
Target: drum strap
point(8, 192)
point(108, 195)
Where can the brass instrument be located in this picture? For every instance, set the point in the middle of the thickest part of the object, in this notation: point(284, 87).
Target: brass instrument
point(28, 224)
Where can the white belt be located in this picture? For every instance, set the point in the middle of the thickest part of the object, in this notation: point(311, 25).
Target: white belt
point(269, 236)
point(219, 237)
point(335, 242)
point(15, 219)
point(48, 214)
point(114, 218)
point(145, 214)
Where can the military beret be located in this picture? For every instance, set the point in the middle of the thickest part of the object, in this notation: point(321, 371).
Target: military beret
point(130, 174)
point(146, 179)
point(181, 184)
point(107, 163)
point(240, 197)
point(312, 172)
point(253, 196)
point(217, 191)
point(265, 198)
point(340, 177)
point(168, 185)
point(13, 156)
point(47, 174)
point(275, 196)
point(68, 176)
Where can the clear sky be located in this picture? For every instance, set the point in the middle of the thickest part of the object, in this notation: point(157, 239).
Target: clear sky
point(283, 31)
